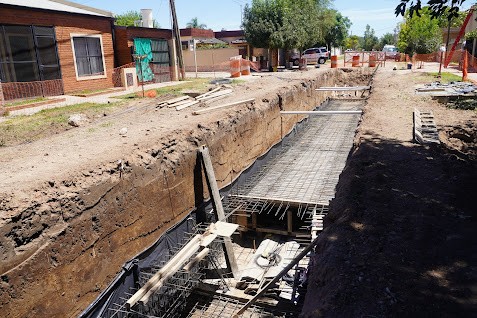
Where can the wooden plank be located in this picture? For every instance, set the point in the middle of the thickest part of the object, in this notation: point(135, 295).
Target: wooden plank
point(187, 105)
point(209, 101)
point(343, 88)
point(216, 94)
point(188, 250)
point(206, 110)
point(289, 221)
point(322, 112)
point(218, 208)
point(202, 254)
point(224, 229)
point(274, 200)
point(209, 92)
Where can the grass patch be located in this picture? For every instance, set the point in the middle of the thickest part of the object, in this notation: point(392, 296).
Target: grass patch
point(199, 84)
point(22, 129)
point(446, 77)
point(25, 102)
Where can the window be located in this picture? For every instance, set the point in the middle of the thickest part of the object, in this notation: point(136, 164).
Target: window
point(28, 53)
point(88, 53)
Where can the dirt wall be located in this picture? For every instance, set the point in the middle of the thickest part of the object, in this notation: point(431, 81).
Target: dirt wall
point(63, 244)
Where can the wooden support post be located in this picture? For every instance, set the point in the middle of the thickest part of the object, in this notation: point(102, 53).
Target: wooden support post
point(289, 221)
point(254, 221)
point(218, 208)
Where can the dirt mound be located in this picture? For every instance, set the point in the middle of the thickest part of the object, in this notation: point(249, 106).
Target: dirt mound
point(399, 240)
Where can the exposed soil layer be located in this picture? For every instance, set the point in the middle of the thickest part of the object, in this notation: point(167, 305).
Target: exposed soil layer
point(76, 206)
point(400, 240)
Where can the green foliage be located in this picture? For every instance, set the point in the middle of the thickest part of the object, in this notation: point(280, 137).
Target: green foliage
point(456, 20)
point(128, 18)
point(194, 24)
point(419, 34)
point(338, 30)
point(370, 40)
point(286, 23)
point(352, 42)
point(471, 35)
point(386, 39)
point(436, 8)
point(213, 46)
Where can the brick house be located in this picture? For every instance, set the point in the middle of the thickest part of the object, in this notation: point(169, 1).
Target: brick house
point(51, 47)
point(162, 49)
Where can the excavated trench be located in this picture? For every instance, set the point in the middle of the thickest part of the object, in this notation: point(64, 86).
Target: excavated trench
point(62, 248)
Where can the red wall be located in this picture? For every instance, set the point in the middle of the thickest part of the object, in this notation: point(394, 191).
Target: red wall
point(65, 24)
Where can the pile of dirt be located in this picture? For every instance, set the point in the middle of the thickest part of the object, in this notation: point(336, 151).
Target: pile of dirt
point(399, 240)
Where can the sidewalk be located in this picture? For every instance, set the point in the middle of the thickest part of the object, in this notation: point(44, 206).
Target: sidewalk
point(98, 99)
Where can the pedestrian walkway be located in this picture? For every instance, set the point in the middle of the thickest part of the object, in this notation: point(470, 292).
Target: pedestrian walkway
point(97, 99)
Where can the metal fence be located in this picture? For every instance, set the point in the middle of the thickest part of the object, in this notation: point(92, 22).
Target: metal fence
point(364, 57)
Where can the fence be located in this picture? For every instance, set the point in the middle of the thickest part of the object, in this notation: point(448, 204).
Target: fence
point(161, 73)
point(364, 57)
point(20, 90)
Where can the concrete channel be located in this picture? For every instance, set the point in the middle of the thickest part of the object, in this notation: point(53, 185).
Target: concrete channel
point(278, 208)
point(276, 173)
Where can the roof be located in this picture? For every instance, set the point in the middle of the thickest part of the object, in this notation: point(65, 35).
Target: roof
point(227, 34)
point(59, 5)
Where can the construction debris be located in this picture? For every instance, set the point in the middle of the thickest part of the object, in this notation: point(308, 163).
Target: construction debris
point(425, 129)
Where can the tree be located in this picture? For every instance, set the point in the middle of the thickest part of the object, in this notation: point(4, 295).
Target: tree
point(387, 39)
point(456, 21)
point(437, 8)
point(352, 42)
point(128, 18)
point(370, 40)
point(194, 24)
point(419, 34)
point(338, 31)
point(285, 23)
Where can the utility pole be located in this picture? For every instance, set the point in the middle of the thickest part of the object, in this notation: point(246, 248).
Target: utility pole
point(177, 37)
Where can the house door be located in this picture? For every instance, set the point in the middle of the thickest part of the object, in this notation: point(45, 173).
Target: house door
point(160, 60)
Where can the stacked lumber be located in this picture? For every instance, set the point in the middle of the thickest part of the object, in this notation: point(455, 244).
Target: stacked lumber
point(211, 96)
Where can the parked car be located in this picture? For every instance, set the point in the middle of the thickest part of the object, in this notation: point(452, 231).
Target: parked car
point(390, 51)
point(314, 55)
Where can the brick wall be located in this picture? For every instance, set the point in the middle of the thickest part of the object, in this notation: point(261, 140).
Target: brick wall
point(124, 37)
point(65, 24)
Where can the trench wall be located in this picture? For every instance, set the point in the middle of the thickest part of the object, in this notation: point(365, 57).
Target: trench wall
point(66, 244)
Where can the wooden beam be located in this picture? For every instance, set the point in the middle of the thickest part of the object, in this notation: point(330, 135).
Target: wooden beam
point(344, 88)
point(322, 112)
point(209, 92)
point(192, 245)
point(206, 110)
point(275, 200)
point(218, 208)
point(202, 254)
point(289, 221)
point(192, 103)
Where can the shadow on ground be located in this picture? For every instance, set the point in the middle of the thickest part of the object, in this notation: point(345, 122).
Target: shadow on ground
point(400, 239)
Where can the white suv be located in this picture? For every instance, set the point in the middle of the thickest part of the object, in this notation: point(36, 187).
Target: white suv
point(314, 55)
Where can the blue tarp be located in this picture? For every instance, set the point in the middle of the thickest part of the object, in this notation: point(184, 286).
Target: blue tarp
point(144, 50)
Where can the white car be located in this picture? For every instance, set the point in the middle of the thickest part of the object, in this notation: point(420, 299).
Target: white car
point(314, 55)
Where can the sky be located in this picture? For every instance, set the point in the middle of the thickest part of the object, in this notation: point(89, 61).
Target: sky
point(226, 14)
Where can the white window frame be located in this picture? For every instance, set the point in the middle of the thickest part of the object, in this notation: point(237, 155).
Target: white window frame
point(88, 77)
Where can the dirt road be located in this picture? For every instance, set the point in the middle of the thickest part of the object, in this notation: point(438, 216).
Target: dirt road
point(400, 238)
